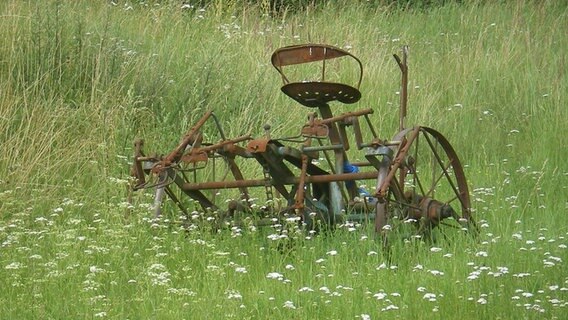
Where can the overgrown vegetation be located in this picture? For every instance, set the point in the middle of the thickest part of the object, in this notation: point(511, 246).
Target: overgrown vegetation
point(80, 80)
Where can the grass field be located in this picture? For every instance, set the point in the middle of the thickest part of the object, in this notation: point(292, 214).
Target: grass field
point(80, 80)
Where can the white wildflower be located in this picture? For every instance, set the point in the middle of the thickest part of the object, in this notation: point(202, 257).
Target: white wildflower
point(275, 275)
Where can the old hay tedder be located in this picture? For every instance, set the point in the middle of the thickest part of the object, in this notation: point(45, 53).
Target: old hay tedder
point(416, 179)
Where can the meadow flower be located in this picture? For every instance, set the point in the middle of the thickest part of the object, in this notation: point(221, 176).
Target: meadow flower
point(380, 295)
point(429, 296)
point(14, 266)
point(436, 272)
point(381, 266)
point(95, 269)
point(389, 307)
point(275, 275)
point(527, 294)
point(233, 294)
point(325, 290)
point(241, 270)
point(289, 305)
point(521, 275)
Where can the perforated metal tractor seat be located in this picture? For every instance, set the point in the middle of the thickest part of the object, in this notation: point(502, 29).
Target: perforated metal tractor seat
point(318, 92)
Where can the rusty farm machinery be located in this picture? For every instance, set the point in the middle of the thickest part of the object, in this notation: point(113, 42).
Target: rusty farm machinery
point(417, 180)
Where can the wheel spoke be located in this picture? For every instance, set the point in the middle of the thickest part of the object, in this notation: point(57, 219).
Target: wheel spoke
point(436, 180)
point(445, 172)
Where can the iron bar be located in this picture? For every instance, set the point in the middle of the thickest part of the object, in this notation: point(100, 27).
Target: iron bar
point(287, 181)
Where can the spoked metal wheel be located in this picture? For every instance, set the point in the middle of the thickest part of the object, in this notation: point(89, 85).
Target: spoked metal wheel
point(428, 196)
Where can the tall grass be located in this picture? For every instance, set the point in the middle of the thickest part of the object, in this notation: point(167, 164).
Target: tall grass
point(80, 80)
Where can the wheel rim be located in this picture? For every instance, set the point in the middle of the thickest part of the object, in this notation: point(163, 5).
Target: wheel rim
point(430, 191)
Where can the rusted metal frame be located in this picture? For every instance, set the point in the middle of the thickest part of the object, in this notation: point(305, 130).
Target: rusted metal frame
point(219, 127)
point(404, 85)
point(177, 153)
point(403, 201)
point(199, 153)
point(329, 118)
point(175, 199)
point(323, 148)
point(317, 131)
point(278, 170)
point(377, 143)
point(398, 161)
point(361, 163)
point(337, 192)
point(228, 153)
point(163, 181)
point(416, 179)
point(300, 192)
point(327, 157)
point(323, 67)
point(452, 199)
point(228, 150)
point(278, 66)
point(158, 198)
point(295, 153)
point(458, 173)
point(381, 210)
point(436, 180)
point(238, 175)
point(143, 158)
point(398, 190)
point(221, 144)
point(371, 127)
point(233, 149)
point(299, 58)
point(354, 121)
point(137, 170)
point(445, 172)
point(290, 180)
point(196, 195)
point(294, 157)
point(343, 136)
point(347, 119)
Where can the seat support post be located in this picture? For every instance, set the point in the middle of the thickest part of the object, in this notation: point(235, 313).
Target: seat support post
point(336, 197)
